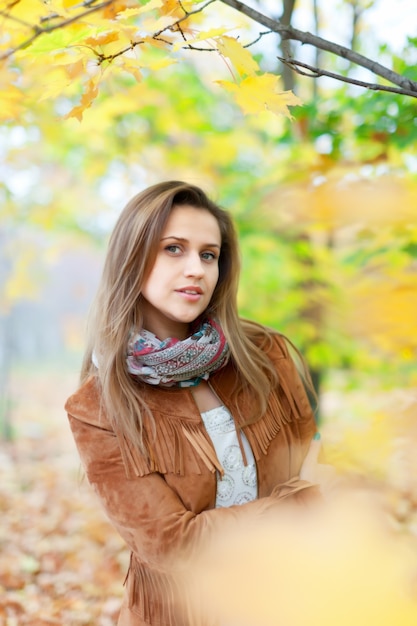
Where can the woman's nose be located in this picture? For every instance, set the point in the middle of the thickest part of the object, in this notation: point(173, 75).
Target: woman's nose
point(194, 265)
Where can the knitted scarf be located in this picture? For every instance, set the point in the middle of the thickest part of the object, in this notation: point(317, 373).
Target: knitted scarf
point(173, 362)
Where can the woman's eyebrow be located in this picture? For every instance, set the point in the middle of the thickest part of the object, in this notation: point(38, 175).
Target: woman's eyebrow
point(210, 245)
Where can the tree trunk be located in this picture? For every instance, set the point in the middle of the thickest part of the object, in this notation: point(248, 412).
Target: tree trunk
point(288, 75)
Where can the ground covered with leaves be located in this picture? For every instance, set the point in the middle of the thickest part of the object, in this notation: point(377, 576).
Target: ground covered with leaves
point(60, 561)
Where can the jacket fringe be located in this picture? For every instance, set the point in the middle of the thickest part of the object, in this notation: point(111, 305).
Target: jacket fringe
point(162, 596)
point(283, 408)
point(183, 447)
point(179, 447)
point(151, 593)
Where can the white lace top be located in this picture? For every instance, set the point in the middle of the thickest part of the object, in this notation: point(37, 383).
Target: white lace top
point(239, 483)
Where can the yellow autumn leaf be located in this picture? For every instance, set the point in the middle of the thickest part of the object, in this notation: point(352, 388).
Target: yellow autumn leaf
point(202, 36)
point(63, 8)
point(53, 84)
point(115, 42)
point(255, 94)
point(155, 43)
point(60, 40)
point(97, 19)
point(27, 12)
point(87, 98)
point(111, 10)
point(71, 57)
point(102, 38)
point(149, 6)
point(154, 25)
point(172, 7)
point(131, 66)
point(241, 58)
point(75, 70)
point(158, 64)
point(67, 4)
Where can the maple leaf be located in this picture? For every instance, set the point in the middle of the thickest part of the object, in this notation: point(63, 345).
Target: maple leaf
point(201, 36)
point(102, 38)
point(241, 58)
point(256, 94)
point(86, 101)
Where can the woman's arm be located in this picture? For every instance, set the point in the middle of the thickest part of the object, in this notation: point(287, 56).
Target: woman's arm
point(148, 514)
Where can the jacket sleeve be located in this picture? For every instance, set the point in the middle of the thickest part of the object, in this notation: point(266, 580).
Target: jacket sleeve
point(147, 513)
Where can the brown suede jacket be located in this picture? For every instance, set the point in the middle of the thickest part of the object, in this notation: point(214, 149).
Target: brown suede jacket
point(164, 505)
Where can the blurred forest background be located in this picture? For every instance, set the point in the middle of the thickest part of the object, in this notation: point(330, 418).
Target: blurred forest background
point(324, 194)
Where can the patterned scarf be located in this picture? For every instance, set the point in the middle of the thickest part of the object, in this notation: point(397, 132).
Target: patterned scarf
point(177, 363)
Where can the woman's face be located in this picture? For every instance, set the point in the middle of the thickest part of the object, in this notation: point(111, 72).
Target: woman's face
point(185, 273)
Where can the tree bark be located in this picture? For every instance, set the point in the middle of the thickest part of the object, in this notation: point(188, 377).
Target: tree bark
point(288, 76)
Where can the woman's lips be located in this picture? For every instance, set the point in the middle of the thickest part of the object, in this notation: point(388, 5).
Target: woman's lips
point(193, 294)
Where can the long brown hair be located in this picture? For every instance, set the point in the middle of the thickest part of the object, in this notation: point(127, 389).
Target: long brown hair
point(116, 310)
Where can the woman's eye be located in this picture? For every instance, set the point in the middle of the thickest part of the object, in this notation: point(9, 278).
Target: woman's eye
point(173, 249)
point(209, 256)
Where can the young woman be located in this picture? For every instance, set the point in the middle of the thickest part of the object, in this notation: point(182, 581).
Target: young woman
point(188, 419)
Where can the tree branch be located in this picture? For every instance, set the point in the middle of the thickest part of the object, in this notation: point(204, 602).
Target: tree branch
point(43, 30)
point(315, 72)
point(288, 32)
point(157, 36)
